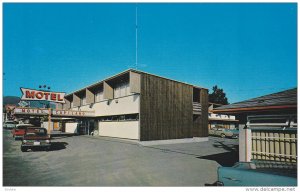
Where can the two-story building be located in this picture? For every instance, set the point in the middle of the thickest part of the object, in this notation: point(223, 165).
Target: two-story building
point(141, 106)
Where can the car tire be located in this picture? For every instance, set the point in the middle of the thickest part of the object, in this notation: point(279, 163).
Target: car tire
point(223, 135)
point(48, 149)
point(24, 149)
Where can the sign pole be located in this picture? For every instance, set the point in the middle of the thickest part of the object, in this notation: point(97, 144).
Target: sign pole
point(49, 119)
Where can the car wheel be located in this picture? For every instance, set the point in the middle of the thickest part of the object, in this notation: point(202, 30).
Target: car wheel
point(24, 149)
point(223, 135)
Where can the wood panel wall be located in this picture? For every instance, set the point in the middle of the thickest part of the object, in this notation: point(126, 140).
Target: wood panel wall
point(203, 129)
point(135, 82)
point(166, 110)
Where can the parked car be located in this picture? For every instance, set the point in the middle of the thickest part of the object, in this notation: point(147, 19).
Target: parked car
point(9, 124)
point(270, 158)
point(19, 131)
point(258, 173)
point(222, 132)
point(36, 137)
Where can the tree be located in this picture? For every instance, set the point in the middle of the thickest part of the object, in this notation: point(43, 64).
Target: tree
point(218, 96)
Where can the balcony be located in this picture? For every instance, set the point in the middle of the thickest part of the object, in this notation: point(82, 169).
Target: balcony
point(220, 116)
point(197, 108)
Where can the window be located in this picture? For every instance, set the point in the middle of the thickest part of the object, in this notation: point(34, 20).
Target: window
point(132, 117)
point(83, 100)
point(71, 104)
point(99, 96)
point(127, 117)
point(121, 90)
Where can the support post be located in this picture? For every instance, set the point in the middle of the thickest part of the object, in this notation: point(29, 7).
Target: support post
point(49, 120)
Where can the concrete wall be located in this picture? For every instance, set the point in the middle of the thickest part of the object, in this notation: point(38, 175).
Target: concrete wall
point(76, 100)
point(90, 97)
point(126, 129)
point(124, 105)
point(108, 91)
point(71, 128)
point(67, 105)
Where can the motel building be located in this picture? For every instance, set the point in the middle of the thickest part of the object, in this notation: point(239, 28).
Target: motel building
point(133, 105)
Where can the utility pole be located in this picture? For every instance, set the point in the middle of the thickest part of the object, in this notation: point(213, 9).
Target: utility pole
point(136, 37)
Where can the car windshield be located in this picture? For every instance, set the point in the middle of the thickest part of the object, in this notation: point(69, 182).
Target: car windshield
point(10, 123)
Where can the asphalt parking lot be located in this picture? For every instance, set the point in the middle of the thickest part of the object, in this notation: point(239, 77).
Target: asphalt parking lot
point(99, 161)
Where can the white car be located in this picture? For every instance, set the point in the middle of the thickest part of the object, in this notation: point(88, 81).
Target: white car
point(9, 125)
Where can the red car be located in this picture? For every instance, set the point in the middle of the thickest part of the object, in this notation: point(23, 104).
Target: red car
point(20, 130)
point(36, 137)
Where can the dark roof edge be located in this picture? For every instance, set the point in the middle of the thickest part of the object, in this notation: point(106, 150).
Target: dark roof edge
point(127, 71)
point(248, 100)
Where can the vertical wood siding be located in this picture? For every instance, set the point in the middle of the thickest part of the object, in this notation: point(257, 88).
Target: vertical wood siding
point(166, 110)
point(135, 82)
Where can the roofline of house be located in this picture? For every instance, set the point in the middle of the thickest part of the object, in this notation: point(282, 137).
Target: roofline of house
point(245, 109)
point(124, 72)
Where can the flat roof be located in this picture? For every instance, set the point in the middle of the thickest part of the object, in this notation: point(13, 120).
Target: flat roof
point(127, 71)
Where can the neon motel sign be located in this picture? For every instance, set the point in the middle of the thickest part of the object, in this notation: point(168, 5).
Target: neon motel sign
point(33, 95)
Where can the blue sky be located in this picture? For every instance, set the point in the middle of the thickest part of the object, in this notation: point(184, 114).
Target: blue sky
point(247, 49)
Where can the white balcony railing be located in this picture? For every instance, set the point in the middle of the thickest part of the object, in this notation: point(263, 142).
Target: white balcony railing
point(197, 108)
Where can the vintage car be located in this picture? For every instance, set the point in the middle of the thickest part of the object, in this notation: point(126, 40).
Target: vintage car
point(222, 132)
point(258, 173)
point(9, 124)
point(36, 137)
point(267, 153)
point(19, 131)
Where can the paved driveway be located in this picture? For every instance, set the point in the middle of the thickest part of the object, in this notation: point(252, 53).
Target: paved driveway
point(98, 161)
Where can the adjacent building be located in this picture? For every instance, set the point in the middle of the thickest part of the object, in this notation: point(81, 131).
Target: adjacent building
point(140, 106)
point(218, 120)
point(280, 103)
point(269, 126)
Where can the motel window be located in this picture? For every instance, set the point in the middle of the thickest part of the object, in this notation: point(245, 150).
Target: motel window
point(121, 90)
point(116, 118)
point(83, 101)
point(107, 118)
point(121, 117)
point(99, 96)
point(132, 117)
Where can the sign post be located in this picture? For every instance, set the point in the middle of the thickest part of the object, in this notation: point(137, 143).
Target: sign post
point(49, 120)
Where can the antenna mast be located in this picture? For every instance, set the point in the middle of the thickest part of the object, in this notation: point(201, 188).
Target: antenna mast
point(136, 38)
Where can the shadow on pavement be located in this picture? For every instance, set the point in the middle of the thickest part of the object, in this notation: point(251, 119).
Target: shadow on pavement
point(226, 159)
point(55, 146)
